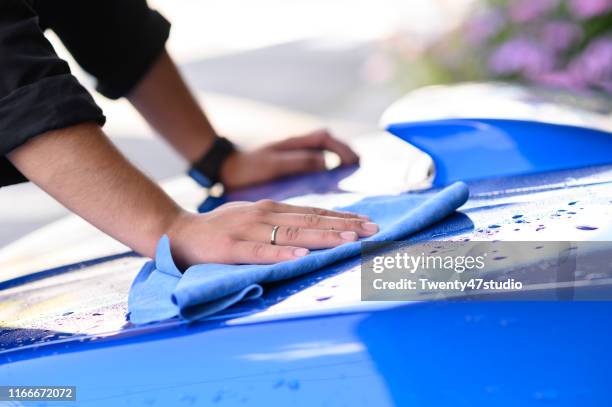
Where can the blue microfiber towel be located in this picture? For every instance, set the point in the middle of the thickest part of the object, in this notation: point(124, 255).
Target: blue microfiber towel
point(160, 291)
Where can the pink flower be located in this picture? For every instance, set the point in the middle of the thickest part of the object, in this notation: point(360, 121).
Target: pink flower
point(589, 8)
point(521, 56)
point(484, 26)
point(594, 65)
point(558, 35)
point(522, 11)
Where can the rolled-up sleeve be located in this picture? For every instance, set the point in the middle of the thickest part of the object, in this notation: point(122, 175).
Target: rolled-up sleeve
point(116, 41)
point(37, 91)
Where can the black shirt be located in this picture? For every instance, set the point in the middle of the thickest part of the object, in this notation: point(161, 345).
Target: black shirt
point(116, 41)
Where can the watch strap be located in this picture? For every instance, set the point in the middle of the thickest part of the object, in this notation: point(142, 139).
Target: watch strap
point(207, 170)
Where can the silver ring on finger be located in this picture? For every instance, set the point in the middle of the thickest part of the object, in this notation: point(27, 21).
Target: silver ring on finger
point(273, 235)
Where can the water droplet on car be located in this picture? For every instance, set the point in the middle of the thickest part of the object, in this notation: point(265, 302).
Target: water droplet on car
point(188, 399)
point(596, 276)
point(293, 385)
point(584, 227)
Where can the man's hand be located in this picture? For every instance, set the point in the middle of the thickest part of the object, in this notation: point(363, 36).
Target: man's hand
point(296, 155)
point(84, 171)
point(165, 101)
point(240, 233)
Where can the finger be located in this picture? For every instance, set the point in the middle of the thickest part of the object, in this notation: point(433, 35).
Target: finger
point(311, 221)
point(301, 237)
point(346, 153)
point(250, 252)
point(274, 206)
point(319, 139)
point(234, 203)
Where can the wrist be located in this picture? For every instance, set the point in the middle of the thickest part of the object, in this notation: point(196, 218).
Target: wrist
point(228, 168)
point(207, 169)
point(161, 222)
point(177, 231)
point(176, 223)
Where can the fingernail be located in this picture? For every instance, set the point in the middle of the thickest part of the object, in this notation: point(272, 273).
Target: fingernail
point(300, 252)
point(370, 227)
point(364, 217)
point(350, 236)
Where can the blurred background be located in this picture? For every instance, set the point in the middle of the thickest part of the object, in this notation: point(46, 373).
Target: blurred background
point(267, 69)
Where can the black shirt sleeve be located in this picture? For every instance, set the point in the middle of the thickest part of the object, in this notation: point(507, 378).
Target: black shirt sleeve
point(116, 41)
point(37, 91)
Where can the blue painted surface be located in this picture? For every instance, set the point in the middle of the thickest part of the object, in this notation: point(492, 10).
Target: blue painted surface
point(428, 354)
point(465, 149)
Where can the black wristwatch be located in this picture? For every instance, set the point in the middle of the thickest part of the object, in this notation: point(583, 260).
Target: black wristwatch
point(207, 170)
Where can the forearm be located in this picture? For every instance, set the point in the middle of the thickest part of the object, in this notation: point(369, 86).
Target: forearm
point(82, 169)
point(166, 103)
point(163, 99)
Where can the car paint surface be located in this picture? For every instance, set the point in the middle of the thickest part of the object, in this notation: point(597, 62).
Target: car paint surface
point(311, 341)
